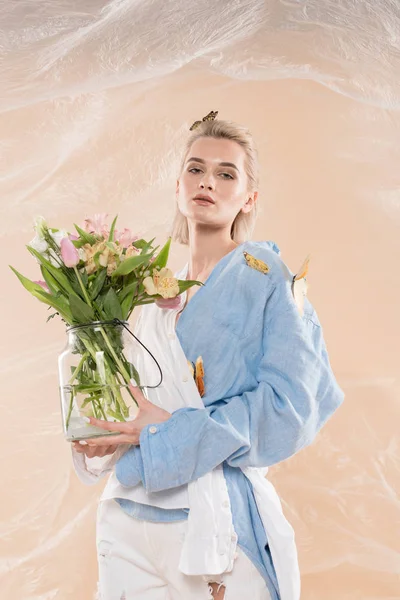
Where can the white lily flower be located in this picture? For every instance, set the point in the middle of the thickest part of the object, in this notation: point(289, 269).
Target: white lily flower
point(40, 225)
point(39, 244)
point(58, 235)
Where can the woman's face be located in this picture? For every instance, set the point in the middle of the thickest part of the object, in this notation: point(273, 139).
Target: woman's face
point(226, 184)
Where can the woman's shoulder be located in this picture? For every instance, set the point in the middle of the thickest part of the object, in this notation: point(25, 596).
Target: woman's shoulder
point(265, 257)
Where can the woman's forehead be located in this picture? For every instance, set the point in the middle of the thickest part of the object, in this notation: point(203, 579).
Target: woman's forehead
point(214, 151)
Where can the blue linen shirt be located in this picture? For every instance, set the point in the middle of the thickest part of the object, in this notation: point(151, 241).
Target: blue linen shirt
point(269, 389)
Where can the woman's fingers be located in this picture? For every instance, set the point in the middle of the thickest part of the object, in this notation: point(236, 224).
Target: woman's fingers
point(94, 451)
point(113, 440)
point(122, 427)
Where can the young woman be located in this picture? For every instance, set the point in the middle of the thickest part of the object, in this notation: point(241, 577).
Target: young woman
point(187, 511)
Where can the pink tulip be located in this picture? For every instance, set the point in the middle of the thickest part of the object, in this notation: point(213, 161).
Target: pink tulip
point(69, 253)
point(44, 285)
point(169, 302)
point(97, 224)
point(73, 237)
point(125, 237)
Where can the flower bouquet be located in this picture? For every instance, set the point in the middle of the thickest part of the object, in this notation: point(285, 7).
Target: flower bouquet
point(93, 281)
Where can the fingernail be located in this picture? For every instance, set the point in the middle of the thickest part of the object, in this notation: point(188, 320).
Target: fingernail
point(133, 383)
point(83, 443)
point(86, 419)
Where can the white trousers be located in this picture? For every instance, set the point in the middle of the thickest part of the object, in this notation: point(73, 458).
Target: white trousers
point(138, 560)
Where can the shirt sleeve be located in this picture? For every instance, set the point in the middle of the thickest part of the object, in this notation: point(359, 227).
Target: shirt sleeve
point(296, 393)
point(91, 470)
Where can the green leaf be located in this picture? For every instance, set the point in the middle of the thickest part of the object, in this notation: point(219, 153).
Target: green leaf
point(95, 387)
point(112, 306)
point(131, 263)
point(49, 279)
point(162, 257)
point(88, 237)
point(186, 284)
point(56, 272)
point(81, 312)
point(111, 236)
point(126, 304)
point(79, 243)
point(38, 292)
point(84, 277)
point(143, 244)
point(98, 283)
point(127, 290)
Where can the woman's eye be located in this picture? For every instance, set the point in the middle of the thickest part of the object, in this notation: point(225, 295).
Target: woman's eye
point(196, 169)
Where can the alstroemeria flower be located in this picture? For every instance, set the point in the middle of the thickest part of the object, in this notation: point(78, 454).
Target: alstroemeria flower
point(69, 253)
point(162, 282)
point(108, 257)
point(44, 285)
point(125, 237)
point(131, 251)
point(97, 224)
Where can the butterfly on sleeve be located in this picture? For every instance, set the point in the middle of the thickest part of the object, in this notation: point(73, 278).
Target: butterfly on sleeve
point(300, 286)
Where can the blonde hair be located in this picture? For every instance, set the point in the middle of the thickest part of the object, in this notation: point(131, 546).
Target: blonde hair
point(244, 223)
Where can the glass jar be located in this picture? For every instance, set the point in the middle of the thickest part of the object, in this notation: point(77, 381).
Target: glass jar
point(94, 372)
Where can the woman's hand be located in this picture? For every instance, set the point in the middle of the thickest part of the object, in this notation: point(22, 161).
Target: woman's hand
point(148, 413)
point(92, 451)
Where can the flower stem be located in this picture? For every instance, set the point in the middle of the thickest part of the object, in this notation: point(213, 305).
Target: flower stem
point(79, 367)
point(82, 287)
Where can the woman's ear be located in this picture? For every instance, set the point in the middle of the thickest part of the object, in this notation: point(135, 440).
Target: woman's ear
point(250, 203)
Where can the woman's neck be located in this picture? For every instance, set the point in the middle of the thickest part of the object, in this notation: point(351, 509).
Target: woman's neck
point(205, 255)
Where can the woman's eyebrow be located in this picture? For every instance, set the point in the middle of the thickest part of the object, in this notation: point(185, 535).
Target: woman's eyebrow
point(222, 164)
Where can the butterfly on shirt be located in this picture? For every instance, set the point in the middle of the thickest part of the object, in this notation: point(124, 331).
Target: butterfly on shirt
point(299, 283)
point(197, 371)
point(256, 263)
point(300, 286)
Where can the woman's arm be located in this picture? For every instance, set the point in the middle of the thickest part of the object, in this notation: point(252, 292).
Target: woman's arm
point(296, 394)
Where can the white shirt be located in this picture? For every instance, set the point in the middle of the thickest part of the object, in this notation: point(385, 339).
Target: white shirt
point(210, 543)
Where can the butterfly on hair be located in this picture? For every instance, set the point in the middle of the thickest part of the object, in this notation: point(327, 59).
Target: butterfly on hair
point(210, 117)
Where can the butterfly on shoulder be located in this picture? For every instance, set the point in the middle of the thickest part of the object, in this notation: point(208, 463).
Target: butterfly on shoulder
point(210, 117)
point(197, 371)
point(300, 286)
point(256, 263)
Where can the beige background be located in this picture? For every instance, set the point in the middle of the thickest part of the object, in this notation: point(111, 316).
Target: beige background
point(96, 101)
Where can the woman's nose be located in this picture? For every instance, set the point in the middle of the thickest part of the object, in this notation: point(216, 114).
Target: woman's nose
point(209, 185)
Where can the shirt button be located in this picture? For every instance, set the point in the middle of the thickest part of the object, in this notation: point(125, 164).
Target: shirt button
point(152, 429)
point(225, 503)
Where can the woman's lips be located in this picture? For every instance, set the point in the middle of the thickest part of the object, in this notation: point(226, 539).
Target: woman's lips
point(201, 201)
